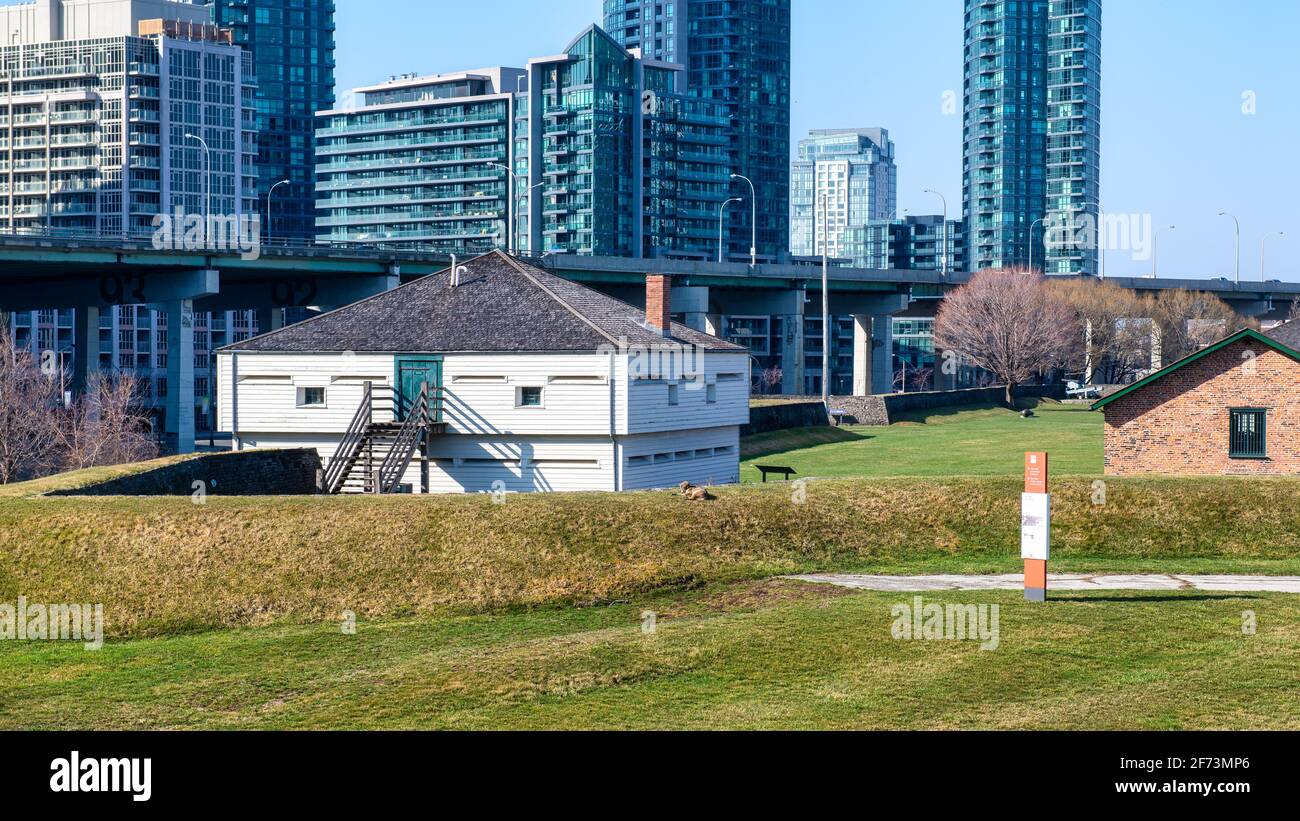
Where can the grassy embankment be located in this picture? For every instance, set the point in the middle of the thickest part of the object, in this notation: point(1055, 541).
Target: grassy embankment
point(526, 614)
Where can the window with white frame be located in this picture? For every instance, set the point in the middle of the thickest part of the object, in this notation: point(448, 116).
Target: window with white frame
point(311, 397)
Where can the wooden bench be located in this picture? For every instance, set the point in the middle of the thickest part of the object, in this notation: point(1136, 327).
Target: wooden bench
point(783, 471)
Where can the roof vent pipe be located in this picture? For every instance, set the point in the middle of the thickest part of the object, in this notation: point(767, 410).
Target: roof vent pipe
point(455, 280)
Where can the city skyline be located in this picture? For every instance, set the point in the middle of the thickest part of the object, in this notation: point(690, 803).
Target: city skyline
point(1157, 134)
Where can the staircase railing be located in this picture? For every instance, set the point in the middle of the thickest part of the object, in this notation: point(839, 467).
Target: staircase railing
point(349, 449)
point(426, 408)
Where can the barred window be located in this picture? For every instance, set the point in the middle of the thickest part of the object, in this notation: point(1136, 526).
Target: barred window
point(1247, 433)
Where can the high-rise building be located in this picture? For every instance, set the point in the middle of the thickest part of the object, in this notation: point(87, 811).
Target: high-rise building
point(420, 162)
point(1073, 133)
point(1031, 132)
point(292, 45)
point(843, 179)
point(626, 166)
point(736, 53)
point(588, 152)
point(98, 107)
point(915, 243)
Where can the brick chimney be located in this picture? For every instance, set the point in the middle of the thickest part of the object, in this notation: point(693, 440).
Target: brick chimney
point(658, 301)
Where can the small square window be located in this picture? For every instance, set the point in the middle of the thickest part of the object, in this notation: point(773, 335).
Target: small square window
point(674, 393)
point(530, 397)
point(711, 394)
point(311, 397)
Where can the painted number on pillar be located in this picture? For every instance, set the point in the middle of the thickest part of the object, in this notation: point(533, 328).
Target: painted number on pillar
point(293, 293)
point(120, 289)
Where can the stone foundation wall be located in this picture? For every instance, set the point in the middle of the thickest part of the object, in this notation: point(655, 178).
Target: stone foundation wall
point(245, 473)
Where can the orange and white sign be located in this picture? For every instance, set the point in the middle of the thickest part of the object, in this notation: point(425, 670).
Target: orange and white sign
point(1035, 526)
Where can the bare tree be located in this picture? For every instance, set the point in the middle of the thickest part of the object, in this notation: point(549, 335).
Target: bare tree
point(29, 416)
point(108, 425)
point(1007, 322)
point(915, 379)
point(1293, 314)
point(1189, 320)
point(1111, 336)
point(770, 379)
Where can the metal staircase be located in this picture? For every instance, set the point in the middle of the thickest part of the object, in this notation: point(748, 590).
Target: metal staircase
point(374, 455)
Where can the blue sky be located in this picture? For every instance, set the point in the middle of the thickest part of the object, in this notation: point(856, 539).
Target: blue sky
point(1176, 143)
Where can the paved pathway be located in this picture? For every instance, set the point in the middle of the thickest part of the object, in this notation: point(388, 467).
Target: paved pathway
point(1014, 581)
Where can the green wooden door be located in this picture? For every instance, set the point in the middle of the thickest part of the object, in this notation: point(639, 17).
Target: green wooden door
point(412, 372)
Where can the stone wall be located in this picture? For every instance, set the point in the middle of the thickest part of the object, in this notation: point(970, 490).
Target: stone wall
point(810, 414)
point(245, 473)
point(882, 409)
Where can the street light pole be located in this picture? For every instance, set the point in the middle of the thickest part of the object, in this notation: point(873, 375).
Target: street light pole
point(753, 222)
point(1236, 222)
point(945, 229)
point(1031, 242)
point(269, 192)
point(512, 235)
point(1262, 241)
point(207, 161)
point(721, 209)
point(826, 303)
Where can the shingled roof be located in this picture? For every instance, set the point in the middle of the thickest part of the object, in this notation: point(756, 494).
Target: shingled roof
point(1288, 333)
point(501, 305)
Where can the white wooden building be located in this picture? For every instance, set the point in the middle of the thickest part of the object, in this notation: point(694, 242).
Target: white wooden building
point(504, 378)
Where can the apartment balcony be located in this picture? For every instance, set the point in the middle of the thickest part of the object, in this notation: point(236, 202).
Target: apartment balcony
point(411, 124)
point(408, 144)
point(397, 161)
point(405, 180)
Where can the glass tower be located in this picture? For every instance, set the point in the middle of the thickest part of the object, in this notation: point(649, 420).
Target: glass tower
point(625, 166)
point(1031, 132)
point(735, 53)
point(292, 43)
point(851, 172)
point(1073, 134)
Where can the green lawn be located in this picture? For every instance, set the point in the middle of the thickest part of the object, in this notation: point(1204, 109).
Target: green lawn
point(951, 442)
point(526, 614)
point(743, 655)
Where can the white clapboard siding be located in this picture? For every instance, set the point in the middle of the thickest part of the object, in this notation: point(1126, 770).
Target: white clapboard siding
point(481, 392)
point(710, 456)
point(474, 464)
point(649, 409)
point(266, 387)
point(494, 444)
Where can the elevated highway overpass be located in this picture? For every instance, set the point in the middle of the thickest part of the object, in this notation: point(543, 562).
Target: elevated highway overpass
point(91, 274)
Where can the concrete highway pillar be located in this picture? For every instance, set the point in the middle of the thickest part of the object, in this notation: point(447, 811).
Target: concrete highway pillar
point(873, 354)
point(693, 303)
point(180, 375)
point(792, 349)
point(85, 343)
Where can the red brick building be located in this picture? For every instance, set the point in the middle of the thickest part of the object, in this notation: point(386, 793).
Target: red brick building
point(1230, 408)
